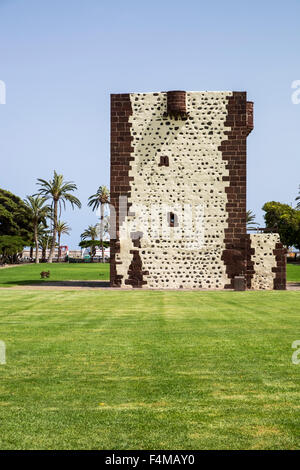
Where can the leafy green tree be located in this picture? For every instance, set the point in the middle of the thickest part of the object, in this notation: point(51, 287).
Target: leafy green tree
point(15, 217)
point(39, 212)
point(62, 229)
point(11, 246)
point(59, 191)
point(284, 219)
point(100, 199)
point(93, 244)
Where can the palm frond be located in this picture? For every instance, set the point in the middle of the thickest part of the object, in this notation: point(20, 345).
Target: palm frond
point(101, 197)
point(90, 233)
point(63, 228)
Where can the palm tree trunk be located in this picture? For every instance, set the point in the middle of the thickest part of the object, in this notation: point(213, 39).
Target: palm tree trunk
point(54, 233)
point(31, 252)
point(36, 243)
point(92, 252)
point(59, 252)
point(101, 229)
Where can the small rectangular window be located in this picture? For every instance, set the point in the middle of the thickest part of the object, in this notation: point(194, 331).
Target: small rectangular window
point(172, 219)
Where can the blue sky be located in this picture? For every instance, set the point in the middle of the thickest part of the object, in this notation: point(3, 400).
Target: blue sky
point(60, 61)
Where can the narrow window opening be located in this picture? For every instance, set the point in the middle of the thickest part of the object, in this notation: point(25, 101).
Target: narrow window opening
point(172, 219)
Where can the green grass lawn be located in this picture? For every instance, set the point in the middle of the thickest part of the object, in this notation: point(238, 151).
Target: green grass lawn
point(293, 272)
point(30, 273)
point(149, 370)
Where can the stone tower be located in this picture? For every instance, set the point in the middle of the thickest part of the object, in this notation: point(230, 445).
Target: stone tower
point(178, 186)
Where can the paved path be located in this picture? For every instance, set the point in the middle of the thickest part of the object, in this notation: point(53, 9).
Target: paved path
point(293, 286)
point(104, 285)
point(4, 266)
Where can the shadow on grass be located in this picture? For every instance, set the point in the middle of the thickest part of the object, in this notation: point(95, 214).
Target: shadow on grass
point(46, 283)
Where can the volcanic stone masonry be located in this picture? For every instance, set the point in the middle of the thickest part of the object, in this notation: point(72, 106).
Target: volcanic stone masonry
point(178, 160)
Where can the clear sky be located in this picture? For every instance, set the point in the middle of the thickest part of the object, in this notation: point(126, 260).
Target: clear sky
point(61, 59)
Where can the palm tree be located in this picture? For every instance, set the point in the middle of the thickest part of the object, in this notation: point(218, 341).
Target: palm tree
point(100, 199)
point(62, 229)
point(250, 219)
point(59, 191)
point(90, 234)
point(39, 212)
point(298, 199)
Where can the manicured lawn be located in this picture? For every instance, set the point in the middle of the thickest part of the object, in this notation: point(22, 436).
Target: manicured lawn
point(30, 273)
point(293, 272)
point(149, 370)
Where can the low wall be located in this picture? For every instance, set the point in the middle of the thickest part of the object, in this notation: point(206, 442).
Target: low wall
point(268, 260)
